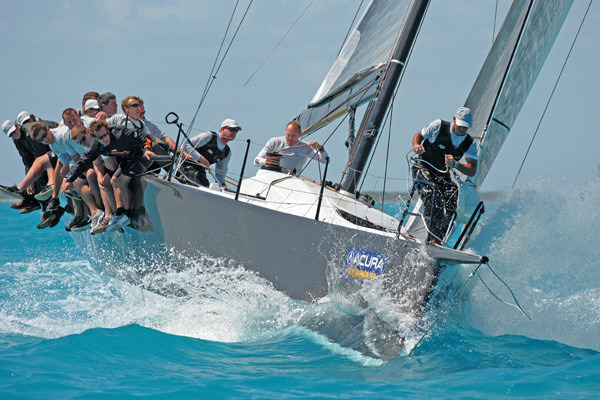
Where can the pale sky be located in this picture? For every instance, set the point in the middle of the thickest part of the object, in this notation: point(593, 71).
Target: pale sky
point(55, 51)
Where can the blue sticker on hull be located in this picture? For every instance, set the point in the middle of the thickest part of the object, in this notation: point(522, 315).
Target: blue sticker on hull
point(364, 264)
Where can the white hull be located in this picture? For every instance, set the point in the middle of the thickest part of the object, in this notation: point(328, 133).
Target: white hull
point(275, 235)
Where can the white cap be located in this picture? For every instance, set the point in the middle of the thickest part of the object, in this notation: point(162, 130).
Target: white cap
point(9, 127)
point(91, 103)
point(464, 117)
point(22, 117)
point(231, 123)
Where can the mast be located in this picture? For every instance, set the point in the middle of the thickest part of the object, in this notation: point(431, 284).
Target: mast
point(379, 104)
point(350, 141)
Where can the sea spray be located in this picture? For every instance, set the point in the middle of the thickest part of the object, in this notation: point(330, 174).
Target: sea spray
point(543, 241)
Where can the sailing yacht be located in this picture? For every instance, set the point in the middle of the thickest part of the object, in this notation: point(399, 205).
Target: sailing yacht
point(309, 236)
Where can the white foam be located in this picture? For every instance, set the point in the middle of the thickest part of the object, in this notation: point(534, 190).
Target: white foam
point(543, 241)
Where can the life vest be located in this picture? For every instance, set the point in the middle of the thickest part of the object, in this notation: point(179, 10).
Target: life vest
point(211, 151)
point(126, 142)
point(435, 152)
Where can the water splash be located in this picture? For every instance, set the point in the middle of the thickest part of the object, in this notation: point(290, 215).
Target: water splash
point(543, 240)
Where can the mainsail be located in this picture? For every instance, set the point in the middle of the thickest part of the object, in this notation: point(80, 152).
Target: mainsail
point(509, 72)
point(354, 76)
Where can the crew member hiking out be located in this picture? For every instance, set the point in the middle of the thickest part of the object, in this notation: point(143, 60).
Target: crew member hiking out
point(129, 146)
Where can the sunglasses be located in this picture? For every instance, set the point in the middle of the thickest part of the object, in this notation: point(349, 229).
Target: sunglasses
point(134, 105)
point(102, 136)
point(82, 140)
point(42, 136)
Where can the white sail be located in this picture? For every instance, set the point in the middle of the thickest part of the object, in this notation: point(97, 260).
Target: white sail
point(509, 72)
point(354, 76)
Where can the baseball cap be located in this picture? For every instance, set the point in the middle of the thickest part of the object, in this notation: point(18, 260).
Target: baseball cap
point(22, 117)
point(91, 103)
point(464, 117)
point(231, 123)
point(8, 127)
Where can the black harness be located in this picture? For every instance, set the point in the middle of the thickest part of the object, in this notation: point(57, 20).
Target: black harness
point(211, 151)
point(435, 152)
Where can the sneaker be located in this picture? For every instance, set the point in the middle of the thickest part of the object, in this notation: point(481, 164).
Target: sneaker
point(73, 194)
point(73, 222)
point(46, 217)
point(53, 203)
point(30, 207)
point(51, 217)
point(58, 212)
point(96, 218)
point(102, 226)
point(18, 205)
point(82, 224)
point(13, 191)
point(117, 222)
point(45, 193)
point(26, 203)
point(69, 206)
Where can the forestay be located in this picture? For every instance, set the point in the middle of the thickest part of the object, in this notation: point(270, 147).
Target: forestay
point(509, 72)
point(354, 76)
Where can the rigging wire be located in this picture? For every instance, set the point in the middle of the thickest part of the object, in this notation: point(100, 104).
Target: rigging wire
point(362, 91)
point(263, 62)
point(388, 114)
point(449, 303)
point(212, 76)
point(552, 94)
point(495, 19)
point(213, 73)
point(516, 305)
point(324, 143)
point(350, 27)
point(485, 262)
point(369, 109)
point(367, 113)
point(387, 154)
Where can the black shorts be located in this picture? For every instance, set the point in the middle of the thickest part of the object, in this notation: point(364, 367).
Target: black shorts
point(132, 166)
point(53, 158)
point(109, 172)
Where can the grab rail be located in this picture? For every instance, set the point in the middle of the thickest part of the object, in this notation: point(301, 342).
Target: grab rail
point(470, 226)
point(179, 125)
point(239, 186)
point(322, 188)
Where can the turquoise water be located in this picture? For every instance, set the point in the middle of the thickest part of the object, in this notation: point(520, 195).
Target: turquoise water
point(68, 331)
